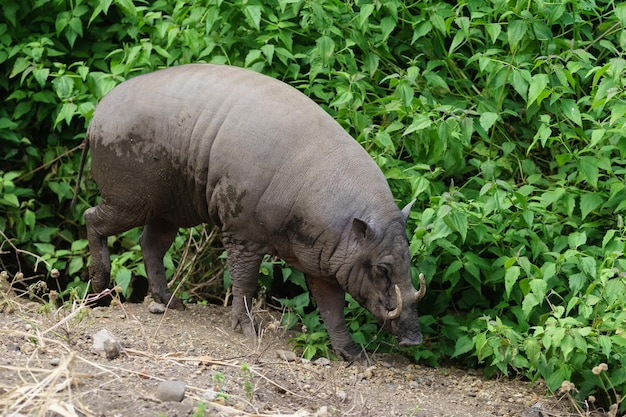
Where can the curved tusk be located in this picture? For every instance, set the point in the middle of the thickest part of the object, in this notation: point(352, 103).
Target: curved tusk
point(420, 294)
point(395, 313)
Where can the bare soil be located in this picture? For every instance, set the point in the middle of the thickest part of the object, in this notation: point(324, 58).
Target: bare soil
point(49, 367)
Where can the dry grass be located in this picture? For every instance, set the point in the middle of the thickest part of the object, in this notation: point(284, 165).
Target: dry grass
point(43, 388)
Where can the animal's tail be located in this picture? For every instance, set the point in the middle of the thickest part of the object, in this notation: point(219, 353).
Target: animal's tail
point(83, 157)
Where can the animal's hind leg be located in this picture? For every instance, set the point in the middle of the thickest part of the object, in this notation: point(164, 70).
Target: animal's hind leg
point(102, 221)
point(155, 240)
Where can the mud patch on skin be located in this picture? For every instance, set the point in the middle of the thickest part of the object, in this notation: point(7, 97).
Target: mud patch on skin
point(295, 229)
point(230, 202)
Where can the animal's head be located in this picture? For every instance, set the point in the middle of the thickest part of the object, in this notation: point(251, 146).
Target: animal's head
point(379, 276)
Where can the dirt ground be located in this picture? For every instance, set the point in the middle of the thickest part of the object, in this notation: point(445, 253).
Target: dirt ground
point(48, 366)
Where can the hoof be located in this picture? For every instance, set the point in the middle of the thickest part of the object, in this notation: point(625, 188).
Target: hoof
point(176, 304)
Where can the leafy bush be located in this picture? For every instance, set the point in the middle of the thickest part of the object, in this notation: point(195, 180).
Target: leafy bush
point(504, 119)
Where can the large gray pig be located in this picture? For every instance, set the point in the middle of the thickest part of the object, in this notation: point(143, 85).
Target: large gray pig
point(211, 143)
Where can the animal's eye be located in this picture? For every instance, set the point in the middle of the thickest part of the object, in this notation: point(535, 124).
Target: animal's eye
point(384, 270)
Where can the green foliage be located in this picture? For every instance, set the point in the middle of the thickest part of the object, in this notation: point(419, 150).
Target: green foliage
point(504, 119)
point(246, 375)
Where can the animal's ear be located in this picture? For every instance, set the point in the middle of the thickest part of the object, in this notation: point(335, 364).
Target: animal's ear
point(360, 228)
point(407, 210)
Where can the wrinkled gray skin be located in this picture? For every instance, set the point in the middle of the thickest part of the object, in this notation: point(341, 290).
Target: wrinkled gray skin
point(209, 143)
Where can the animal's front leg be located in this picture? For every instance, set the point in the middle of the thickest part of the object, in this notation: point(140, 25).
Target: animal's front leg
point(244, 260)
point(330, 298)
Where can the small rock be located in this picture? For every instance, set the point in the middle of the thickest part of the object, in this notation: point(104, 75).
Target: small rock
point(55, 361)
point(209, 395)
point(27, 348)
point(111, 349)
point(286, 355)
point(156, 308)
point(322, 361)
point(322, 412)
point(536, 410)
point(368, 373)
point(171, 391)
point(341, 395)
point(100, 337)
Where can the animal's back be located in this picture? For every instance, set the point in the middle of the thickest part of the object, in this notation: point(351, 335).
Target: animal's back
point(187, 141)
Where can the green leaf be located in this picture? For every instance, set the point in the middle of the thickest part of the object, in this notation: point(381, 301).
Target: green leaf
point(516, 32)
point(493, 30)
point(29, 218)
point(19, 66)
point(548, 270)
point(458, 39)
point(383, 139)
point(387, 25)
point(608, 238)
point(406, 92)
point(533, 351)
point(6, 123)
point(364, 14)
point(253, 15)
point(420, 122)
point(537, 90)
point(370, 63)
point(605, 343)
point(577, 282)
point(571, 111)
point(76, 265)
point(617, 111)
point(421, 29)
point(588, 167)
point(122, 278)
point(41, 75)
point(65, 114)
point(510, 278)
point(63, 86)
point(550, 197)
point(45, 248)
point(589, 202)
point(487, 119)
point(268, 51)
point(457, 222)
point(567, 347)
point(588, 266)
point(252, 56)
point(127, 7)
point(529, 303)
point(77, 25)
point(79, 244)
point(539, 287)
point(520, 82)
point(451, 273)
point(9, 200)
point(463, 345)
point(542, 135)
point(576, 239)
point(326, 48)
point(596, 136)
